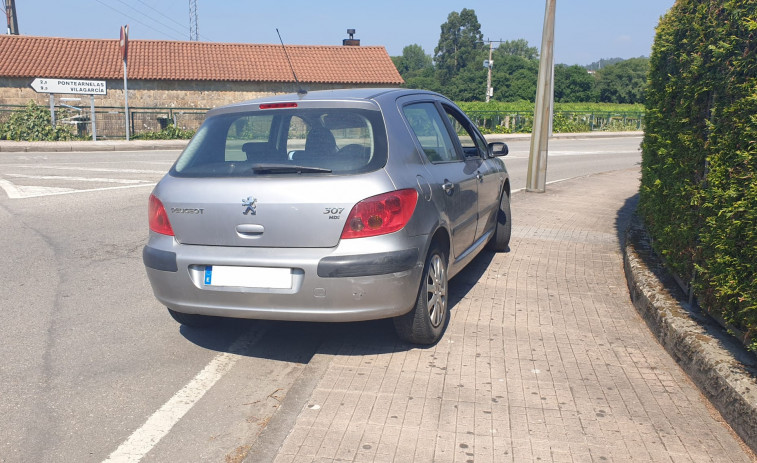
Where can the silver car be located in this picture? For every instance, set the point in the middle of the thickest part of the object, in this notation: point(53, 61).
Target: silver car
point(334, 206)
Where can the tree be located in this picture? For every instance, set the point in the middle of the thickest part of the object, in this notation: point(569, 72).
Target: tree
point(515, 71)
point(459, 44)
point(417, 68)
point(413, 59)
point(623, 82)
point(468, 85)
point(517, 48)
point(514, 78)
point(523, 84)
point(573, 84)
point(425, 79)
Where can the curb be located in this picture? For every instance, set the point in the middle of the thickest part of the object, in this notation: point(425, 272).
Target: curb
point(720, 366)
point(69, 146)
point(270, 440)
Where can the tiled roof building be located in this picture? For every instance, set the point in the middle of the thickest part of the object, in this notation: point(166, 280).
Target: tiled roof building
point(166, 74)
point(27, 56)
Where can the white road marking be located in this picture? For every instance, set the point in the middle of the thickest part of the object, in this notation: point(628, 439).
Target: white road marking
point(21, 191)
point(548, 183)
point(18, 192)
point(586, 153)
point(560, 153)
point(93, 169)
point(77, 179)
point(30, 158)
point(160, 423)
point(10, 189)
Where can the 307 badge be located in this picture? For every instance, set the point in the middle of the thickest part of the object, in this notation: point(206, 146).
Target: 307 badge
point(334, 213)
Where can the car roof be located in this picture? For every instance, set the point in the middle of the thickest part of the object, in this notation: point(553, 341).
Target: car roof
point(350, 94)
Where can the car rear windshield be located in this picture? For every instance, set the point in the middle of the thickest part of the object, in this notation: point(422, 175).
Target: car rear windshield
point(286, 141)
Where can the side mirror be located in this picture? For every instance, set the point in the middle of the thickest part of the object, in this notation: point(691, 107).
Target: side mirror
point(497, 149)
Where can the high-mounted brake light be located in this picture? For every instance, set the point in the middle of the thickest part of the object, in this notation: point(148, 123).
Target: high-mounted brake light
point(158, 217)
point(278, 105)
point(380, 215)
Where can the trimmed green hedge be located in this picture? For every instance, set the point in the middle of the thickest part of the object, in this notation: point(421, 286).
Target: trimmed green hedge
point(699, 189)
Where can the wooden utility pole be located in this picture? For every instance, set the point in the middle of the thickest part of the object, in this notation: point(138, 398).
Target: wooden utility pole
point(489, 64)
point(536, 180)
point(489, 75)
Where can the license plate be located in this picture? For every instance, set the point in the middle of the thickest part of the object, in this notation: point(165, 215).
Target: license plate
point(248, 277)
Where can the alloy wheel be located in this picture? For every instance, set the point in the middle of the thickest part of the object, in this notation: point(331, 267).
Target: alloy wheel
point(436, 288)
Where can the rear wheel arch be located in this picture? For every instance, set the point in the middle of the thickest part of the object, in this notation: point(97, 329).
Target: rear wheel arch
point(440, 240)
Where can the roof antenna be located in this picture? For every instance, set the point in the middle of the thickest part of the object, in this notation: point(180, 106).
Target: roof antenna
point(301, 91)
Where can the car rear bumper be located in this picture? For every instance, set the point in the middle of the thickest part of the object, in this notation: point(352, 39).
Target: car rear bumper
point(328, 285)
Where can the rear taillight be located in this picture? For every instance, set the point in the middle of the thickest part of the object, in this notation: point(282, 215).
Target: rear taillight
point(158, 217)
point(379, 215)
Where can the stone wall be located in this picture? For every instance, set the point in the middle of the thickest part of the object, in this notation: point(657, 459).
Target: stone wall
point(160, 94)
point(152, 104)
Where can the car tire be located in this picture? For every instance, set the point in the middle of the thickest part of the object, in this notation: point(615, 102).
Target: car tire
point(503, 228)
point(426, 321)
point(193, 320)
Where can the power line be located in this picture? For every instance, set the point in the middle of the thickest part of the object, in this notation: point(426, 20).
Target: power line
point(151, 18)
point(173, 20)
point(162, 14)
point(137, 20)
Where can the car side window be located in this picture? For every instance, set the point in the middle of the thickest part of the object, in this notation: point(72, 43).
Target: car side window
point(471, 143)
point(432, 134)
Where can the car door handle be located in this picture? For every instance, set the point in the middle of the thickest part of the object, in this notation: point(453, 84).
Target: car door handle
point(448, 187)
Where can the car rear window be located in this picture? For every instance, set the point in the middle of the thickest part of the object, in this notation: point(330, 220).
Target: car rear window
point(286, 141)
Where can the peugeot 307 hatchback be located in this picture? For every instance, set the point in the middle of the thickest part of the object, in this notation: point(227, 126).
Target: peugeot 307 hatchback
point(334, 206)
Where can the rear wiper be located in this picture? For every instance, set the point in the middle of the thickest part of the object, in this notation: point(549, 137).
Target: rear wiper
point(288, 169)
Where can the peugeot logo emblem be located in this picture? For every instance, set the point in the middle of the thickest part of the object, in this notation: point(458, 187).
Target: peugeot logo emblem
point(251, 205)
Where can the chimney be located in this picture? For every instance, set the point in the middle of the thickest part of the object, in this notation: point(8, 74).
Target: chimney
point(351, 42)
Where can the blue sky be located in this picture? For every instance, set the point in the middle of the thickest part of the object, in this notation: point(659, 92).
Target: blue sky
point(585, 31)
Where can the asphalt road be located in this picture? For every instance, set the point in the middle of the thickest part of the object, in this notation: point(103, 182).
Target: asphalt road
point(571, 158)
point(93, 367)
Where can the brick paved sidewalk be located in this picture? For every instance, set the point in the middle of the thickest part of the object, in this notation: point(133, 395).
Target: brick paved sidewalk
point(545, 358)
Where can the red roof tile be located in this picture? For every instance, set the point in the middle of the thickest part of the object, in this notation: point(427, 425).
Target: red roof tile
point(27, 56)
